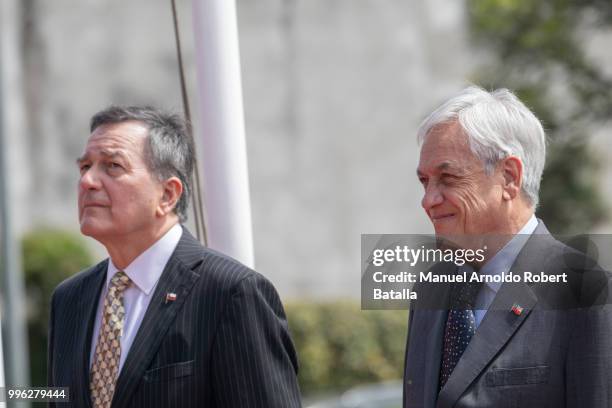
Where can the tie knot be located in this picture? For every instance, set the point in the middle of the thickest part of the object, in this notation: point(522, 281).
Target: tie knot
point(464, 295)
point(120, 281)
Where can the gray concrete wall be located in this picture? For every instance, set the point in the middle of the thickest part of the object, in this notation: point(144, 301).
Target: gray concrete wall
point(334, 91)
point(333, 94)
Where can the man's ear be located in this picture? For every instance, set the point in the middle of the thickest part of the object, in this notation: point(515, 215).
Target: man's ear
point(512, 171)
point(172, 189)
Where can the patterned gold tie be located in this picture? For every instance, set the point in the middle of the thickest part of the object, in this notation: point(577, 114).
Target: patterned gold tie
point(108, 349)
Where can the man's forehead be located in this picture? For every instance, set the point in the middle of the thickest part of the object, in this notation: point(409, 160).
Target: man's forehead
point(106, 152)
point(128, 130)
point(446, 148)
point(447, 165)
point(123, 139)
point(446, 135)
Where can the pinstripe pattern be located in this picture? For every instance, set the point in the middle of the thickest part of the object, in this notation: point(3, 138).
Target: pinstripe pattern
point(224, 342)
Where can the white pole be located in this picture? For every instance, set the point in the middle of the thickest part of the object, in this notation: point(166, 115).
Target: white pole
point(11, 275)
point(223, 153)
point(2, 383)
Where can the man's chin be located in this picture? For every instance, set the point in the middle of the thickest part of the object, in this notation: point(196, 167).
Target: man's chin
point(92, 230)
point(443, 230)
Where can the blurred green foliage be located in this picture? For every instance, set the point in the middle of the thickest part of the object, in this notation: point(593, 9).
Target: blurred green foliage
point(539, 51)
point(49, 257)
point(340, 346)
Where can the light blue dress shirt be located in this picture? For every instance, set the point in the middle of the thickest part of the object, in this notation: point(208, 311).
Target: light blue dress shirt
point(501, 262)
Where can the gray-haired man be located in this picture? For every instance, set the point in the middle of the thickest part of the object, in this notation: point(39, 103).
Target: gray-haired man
point(481, 162)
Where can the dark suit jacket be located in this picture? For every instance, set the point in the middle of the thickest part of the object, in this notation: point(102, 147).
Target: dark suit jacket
point(556, 353)
point(224, 342)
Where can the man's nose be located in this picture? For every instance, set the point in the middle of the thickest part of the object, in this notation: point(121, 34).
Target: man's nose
point(432, 197)
point(89, 180)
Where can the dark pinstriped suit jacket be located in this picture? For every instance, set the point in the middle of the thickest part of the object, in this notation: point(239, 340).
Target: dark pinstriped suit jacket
point(224, 342)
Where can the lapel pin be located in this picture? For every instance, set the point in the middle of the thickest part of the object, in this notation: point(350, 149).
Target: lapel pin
point(517, 309)
point(170, 297)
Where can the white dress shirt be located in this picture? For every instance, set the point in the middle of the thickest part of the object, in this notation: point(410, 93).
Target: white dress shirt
point(144, 272)
point(502, 261)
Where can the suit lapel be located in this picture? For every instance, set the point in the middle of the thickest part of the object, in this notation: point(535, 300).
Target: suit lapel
point(177, 278)
point(497, 327)
point(433, 351)
point(499, 323)
point(427, 332)
point(89, 296)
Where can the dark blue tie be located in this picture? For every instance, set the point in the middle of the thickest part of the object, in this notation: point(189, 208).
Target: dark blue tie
point(460, 327)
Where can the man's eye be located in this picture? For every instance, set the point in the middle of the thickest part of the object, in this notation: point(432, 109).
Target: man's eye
point(423, 180)
point(114, 165)
point(84, 167)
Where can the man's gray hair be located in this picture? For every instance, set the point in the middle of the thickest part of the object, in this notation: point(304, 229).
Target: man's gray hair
point(497, 125)
point(169, 149)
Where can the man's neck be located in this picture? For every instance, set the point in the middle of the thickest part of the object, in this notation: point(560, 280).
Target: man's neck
point(517, 223)
point(495, 242)
point(124, 250)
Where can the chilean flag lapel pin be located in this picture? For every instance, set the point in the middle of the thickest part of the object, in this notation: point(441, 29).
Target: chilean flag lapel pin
point(517, 309)
point(170, 297)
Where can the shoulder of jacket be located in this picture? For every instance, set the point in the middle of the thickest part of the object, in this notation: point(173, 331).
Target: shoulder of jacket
point(73, 284)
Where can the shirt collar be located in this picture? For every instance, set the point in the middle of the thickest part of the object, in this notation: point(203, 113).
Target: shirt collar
point(503, 260)
point(147, 268)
